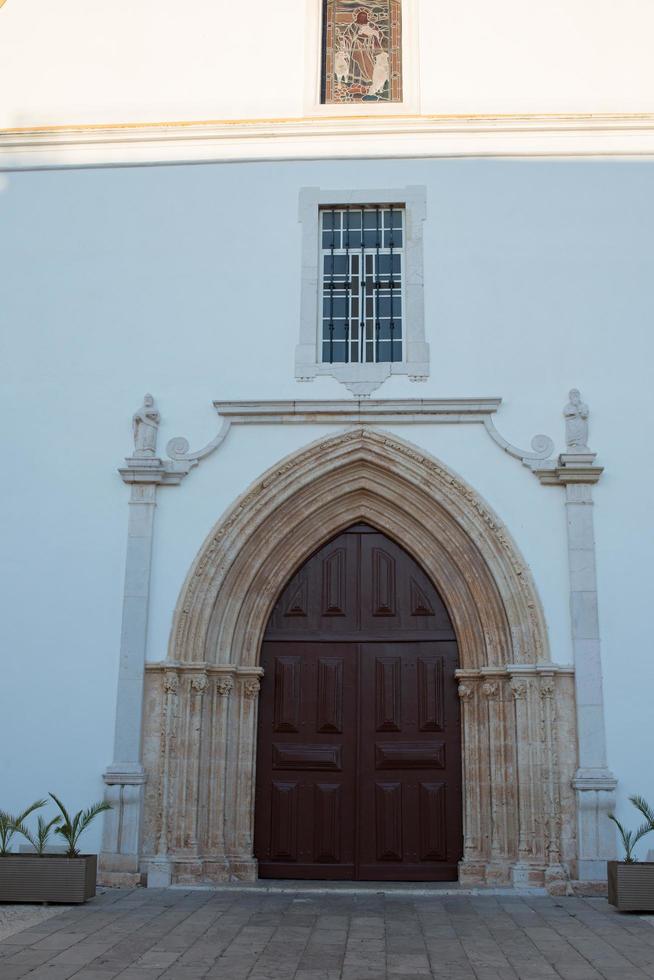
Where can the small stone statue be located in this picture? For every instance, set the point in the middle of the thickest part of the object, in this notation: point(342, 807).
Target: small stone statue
point(145, 426)
point(576, 424)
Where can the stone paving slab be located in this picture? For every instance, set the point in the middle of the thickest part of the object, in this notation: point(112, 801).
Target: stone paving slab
point(178, 934)
point(15, 918)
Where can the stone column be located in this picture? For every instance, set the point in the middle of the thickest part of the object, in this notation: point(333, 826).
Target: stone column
point(520, 870)
point(594, 783)
point(216, 866)
point(159, 870)
point(492, 690)
point(191, 808)
point(242, 864)
point(125, 777)
point(472, 869)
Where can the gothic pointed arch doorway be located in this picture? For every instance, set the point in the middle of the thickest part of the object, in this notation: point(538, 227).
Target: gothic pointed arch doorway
point(359, 744)
point(517, 707)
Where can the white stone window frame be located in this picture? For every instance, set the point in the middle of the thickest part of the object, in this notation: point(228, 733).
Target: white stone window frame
point(410, 104)
point(362, 379)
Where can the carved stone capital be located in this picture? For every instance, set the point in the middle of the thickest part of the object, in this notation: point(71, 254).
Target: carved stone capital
point(224, 686)
point(490, 689)
point(199, 683)
point(170, 682)
point(251, 688)
point(518, 689)
point(547, 687)
point(466, 692)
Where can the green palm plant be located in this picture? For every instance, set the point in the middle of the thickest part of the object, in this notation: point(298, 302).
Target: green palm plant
point(72, 827)
point(631, 837)
point(39, 840)
point(9, 825)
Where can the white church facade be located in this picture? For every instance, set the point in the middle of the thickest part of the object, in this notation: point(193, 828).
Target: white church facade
point(357, 590)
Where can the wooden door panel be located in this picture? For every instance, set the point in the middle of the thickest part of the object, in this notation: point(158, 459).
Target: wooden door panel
point(322, 598)
point(433, 821)
point(410, 755)
point(358, 757)
point(431, 707)
point(329, 716)
point(384, 595)
point(309, 758)
point(327, 822)
point(387, 694)
point(306, 761)
point(388, 821)
point(284, 807)
point(420, 757)
point(287, 694)
point(395, 592)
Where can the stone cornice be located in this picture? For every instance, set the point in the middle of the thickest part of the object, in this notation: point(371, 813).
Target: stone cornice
point(569, 468)
point(572, 467)
point(512, 670)
point(594, 780)
point(231, 670)
point(154, 471)
point(313, 137)
point(362, 412)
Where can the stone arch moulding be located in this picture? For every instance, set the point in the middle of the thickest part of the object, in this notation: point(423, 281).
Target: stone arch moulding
point(518, 715)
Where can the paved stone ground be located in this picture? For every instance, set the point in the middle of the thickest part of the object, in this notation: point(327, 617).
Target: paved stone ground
point(13, 918)
point(187, 935)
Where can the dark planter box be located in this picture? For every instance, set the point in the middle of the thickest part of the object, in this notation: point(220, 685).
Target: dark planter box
point(631, 886)
point(53, 878)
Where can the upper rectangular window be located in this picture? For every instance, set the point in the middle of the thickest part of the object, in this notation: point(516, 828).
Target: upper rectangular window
point(362, 316)
point(361, 274)
point(361, 51)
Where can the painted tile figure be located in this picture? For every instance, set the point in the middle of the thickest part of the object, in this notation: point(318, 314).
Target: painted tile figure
point(362, 51)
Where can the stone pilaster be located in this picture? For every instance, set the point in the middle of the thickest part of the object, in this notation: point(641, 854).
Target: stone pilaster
point(472, 868)
point(217, 865)
point(519, 690)
point(159, 870)
point(242, 861)
point(192, 798)
point(500, 791)
point(594, 784)
point(125, 778)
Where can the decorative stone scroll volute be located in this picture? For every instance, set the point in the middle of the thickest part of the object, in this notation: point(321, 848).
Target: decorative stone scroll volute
point(200, 738)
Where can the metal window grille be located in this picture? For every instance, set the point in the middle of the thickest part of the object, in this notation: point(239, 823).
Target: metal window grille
point(362, 252)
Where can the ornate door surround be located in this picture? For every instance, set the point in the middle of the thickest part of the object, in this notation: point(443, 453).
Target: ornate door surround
point(518, 716)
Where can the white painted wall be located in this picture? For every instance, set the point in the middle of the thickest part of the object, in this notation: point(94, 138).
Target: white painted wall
point(185, 281)
point(78, 62)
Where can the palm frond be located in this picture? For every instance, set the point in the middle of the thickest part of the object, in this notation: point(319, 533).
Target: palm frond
point(10, 825)
point(30, 809)
point(25, 832)
point(88, 815)
point(71, 829)
point(644, 807)
point(644, 828)
point(43, 833)
point(627, 838)
point(5, 830)
point(64, 811)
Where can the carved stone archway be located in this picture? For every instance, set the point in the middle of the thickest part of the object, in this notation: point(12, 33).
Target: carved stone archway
point(201, 703)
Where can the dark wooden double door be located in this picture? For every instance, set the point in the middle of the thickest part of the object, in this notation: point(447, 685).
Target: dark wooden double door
point(359, 758)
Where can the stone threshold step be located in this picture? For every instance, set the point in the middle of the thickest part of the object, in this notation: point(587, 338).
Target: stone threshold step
point(402, 889)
